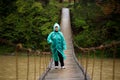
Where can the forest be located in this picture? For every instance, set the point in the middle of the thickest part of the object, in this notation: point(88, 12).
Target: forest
point(94, 22)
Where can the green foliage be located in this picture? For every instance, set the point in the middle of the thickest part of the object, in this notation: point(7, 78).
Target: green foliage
point(92, 28)
point(6, 50)
point(29, 23)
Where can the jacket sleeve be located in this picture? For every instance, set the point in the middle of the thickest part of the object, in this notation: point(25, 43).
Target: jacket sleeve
point(49, 40)
point(64, 42)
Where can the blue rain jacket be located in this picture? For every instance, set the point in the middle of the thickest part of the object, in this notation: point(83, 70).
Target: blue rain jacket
point(58, 43)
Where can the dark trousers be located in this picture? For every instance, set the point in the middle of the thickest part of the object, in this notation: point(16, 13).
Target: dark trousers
point(61, 60)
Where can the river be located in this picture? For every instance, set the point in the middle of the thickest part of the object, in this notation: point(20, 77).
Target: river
point(37, 66)
point(8, 67)
point(107, 68)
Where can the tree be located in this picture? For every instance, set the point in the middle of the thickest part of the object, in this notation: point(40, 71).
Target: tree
point(6, 7)
point(26, 22)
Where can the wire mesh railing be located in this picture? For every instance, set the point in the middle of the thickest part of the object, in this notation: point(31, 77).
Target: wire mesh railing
point(96, 62)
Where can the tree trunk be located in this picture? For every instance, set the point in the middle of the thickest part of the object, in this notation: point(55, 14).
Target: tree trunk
point(60, 1)
point(74, 1)
point(69, 1)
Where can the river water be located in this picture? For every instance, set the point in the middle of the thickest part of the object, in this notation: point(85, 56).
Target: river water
point(8, 67)
point(107, 68)
point(37, 66)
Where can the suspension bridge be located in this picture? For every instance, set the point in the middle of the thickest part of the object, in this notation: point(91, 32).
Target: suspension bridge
point(76, 68)
point(73, 71)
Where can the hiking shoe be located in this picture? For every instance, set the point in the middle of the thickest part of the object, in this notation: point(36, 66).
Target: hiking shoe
point(62, 67)
point(56, 67)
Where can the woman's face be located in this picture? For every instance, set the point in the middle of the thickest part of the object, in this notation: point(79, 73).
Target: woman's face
point(56, 28)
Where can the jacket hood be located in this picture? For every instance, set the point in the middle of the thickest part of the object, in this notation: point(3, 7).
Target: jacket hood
point(56, 24)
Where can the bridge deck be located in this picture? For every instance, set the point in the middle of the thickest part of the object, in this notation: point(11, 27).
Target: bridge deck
point(72, 71)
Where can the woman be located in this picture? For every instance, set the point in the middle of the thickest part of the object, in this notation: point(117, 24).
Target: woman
point(58, 45)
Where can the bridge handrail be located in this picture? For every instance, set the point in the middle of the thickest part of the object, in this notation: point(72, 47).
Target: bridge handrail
point(102, 46)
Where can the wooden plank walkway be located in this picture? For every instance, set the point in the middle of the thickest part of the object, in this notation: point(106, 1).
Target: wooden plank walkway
point(72, 71)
